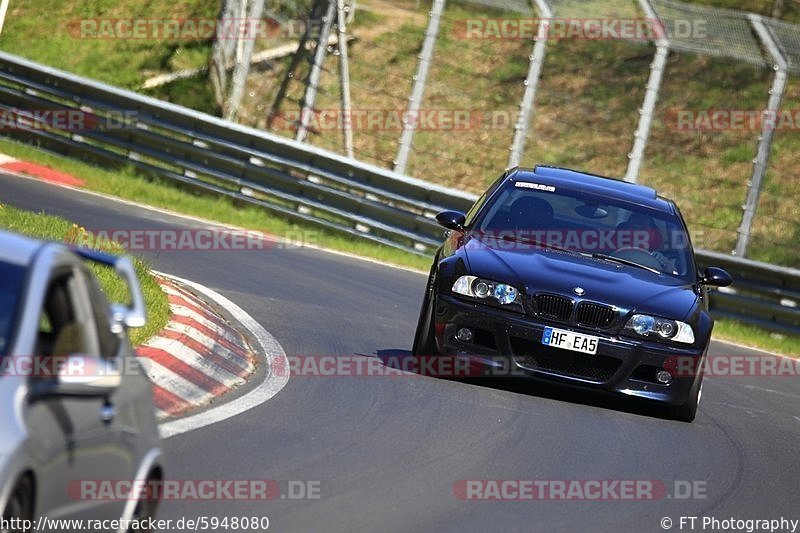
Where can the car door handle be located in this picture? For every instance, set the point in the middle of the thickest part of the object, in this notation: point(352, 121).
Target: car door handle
point(108, 412)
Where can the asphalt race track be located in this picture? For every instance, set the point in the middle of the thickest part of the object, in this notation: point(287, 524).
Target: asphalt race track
point(388, 451)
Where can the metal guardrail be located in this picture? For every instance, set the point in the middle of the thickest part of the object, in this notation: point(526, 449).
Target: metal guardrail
point(762, 294)
point(207, 154)
point(303, 183)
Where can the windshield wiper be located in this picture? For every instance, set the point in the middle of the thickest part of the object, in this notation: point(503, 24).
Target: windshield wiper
point(533, 242)
point(625, 262)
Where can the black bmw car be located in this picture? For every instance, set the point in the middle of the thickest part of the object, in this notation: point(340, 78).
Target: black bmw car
point(575, 278)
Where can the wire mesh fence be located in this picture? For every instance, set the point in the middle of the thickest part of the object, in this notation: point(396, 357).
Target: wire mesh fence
point(711, 31)
point(788, 39)
point(472, 96)
point(595, 73)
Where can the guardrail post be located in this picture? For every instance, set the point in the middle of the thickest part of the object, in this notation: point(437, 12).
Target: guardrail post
point(652, 89)
point(767, 131)
point(420, 79)
point(316, 71)
point(531, 84)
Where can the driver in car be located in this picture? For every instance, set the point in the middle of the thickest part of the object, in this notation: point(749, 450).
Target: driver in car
point(646, 236)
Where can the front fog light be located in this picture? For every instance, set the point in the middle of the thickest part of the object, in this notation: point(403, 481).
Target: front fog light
point(465, 335)
point(663, 377)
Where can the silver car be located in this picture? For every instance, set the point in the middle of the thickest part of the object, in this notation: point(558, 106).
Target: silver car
point(76, 407)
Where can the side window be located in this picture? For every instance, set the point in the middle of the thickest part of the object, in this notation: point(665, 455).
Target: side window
point(474, 209)
point(478, 205)
point(65, 326)
point(109, 341)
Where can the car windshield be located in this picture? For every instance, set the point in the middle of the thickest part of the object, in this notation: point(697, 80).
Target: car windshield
point(534, 215)
point(11, 277)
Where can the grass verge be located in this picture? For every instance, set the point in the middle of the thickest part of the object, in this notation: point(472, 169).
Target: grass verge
point(49, 227)
point(127, 184)
point(751, 336)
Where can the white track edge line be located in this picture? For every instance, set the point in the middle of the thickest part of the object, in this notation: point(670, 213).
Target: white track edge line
point(264, 391)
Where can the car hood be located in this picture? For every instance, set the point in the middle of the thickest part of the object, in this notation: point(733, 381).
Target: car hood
point(549, 270)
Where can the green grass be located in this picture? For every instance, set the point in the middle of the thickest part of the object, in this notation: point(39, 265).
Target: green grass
point(48, 31)
point(747, 335)
point(53, 228)
point(125, 183)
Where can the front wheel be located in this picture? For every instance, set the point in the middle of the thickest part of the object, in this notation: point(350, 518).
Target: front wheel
point(424, 339)
point(146, 507)
point(19, 506)
point(687, 411)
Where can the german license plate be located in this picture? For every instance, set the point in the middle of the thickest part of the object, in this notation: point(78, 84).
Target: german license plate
point(569, 340)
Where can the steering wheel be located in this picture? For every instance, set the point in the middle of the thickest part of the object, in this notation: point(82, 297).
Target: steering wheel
point(643, 257)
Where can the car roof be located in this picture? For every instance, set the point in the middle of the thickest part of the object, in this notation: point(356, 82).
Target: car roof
point(594, 184)
point(16, 249)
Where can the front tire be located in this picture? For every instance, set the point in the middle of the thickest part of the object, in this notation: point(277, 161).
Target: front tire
point(688, 410)
point(147, 507)
point(424, 338)
point(20, 504)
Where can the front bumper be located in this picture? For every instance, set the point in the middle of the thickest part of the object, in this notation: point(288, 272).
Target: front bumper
point(509, 344)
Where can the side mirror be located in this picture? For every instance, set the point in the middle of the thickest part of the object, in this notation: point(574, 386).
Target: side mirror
point(78, 376)
point(134, 316)
point(451, 220)
point(716, 277)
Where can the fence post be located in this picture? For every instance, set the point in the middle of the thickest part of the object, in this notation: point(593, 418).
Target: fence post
point(244, 53)
point(222, 55)
point(652, 89)
point(310, 95)
point(3, 11)
point(531, 84)
point(420, 79)
point(767, 132)
point(344, 78)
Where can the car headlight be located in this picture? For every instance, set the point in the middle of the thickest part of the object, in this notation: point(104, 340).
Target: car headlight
point(483, 289)
point(661, 328)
